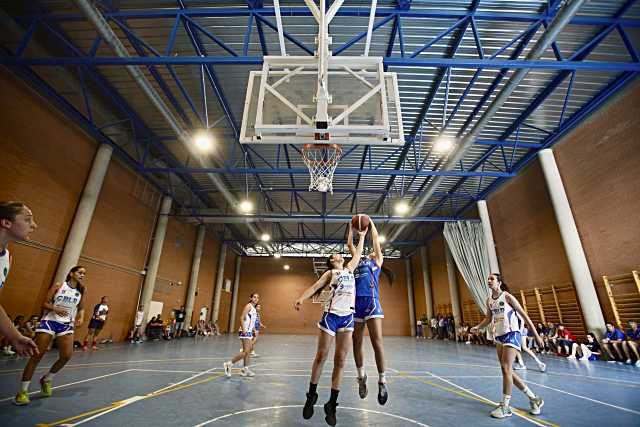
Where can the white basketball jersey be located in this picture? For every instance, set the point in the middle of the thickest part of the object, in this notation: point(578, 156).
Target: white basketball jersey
point(5, 265)
point(505, 318)
point(67, 298)
point(343, 293)
point(249, 321)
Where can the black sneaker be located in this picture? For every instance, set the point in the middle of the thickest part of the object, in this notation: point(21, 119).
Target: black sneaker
point(307, 412)
point(382, 393)
point(330, 413)
point(362, 387)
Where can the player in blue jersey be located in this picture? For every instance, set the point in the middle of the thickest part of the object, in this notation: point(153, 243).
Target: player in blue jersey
point(369, 313)
point(336, 324)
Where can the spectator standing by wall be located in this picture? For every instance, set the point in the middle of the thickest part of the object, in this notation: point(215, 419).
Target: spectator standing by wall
point(98, 319)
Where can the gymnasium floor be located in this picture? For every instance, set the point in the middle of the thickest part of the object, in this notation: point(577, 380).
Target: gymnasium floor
point(431, 383)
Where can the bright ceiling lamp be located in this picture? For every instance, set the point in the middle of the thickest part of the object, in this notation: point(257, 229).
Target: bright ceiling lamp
point(265, 237)
point(401, 208)
point(382, 239)
point(203, 141)
point(277, 256)
point(246, 206)
point(444, 144)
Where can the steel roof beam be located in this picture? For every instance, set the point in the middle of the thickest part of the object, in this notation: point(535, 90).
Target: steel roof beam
point(207, 215)
point(561, 20)
point(462, 26)
point(392, 62)
point(381, 12)
point(338, 171)
point(579, 55)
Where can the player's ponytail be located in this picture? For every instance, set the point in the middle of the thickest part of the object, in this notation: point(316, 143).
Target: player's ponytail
point(389, 274)
point(503, 286)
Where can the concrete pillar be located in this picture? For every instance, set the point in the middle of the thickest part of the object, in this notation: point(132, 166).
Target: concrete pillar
point(195, 270)
point(154, 257)
point(84, 213)
point(412, 309)
point(234, 297)
point(488, 236)
point(453, 286)
point(428, 294)
point(572, 245)
point(215, 311)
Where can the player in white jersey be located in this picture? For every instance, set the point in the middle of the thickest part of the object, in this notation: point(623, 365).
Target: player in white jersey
point(16, 224)
point(337, 323)
point(247, 329)
point(63, 310)
point(524, 332)
point(507, 316)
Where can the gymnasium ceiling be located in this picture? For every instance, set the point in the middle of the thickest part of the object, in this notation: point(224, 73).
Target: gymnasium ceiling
point(451, 57)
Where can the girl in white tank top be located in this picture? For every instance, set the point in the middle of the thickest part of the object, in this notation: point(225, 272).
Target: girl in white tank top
point(507, 315)
point(337, 323)
point(343, 293)
point(247, 328)
point(63, 312)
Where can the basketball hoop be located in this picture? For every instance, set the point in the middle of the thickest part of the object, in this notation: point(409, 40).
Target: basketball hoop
point(321, 160)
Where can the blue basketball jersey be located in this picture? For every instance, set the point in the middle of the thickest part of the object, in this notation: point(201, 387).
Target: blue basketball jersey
point(367, 278)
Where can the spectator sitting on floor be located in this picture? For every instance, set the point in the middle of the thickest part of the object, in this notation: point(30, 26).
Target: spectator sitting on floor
point(613, 344)
point(587, 351)
point(155, 328)
point(633, 341)
point(551, 338)
point(543, 332)
point(565, 340)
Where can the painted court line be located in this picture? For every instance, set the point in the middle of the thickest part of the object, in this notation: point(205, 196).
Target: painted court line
point(587, 398)
point(74, 383)
point(268, 408)
point(470, 394)
point(96, 413)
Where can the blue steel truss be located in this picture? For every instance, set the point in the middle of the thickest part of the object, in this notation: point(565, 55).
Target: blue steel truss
point(175, 177)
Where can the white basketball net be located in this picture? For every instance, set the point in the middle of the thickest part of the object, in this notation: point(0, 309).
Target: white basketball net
point(321, 160)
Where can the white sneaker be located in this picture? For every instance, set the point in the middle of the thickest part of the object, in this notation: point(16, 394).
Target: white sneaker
point(536, 404)
point(468, 342)
point(628, 362)
point(227, 368)
point(543, 367)
point(638, 363)
point(254, 354)
point(519, 367)
point(611, 361)
point(571, 356)
point(501, 412)
point(7, 351)
point(246, 372)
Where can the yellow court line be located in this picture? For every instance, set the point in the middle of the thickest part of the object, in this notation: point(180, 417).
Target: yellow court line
point(125, 401)
point(479, 399)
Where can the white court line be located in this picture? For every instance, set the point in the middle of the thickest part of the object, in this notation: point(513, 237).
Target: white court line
point(603, 379)
point(587, 398)
point(134, 399)
point(479, 397)
point(74, 383)
point(101, 364)
point(316, 406)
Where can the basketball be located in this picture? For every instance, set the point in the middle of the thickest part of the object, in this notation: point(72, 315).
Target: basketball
point(360, 222)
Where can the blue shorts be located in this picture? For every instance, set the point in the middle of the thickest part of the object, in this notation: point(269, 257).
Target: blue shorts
point(245, 335)
point(511, 339)
point(54, 328)
point(332, 323)
point(367, 308)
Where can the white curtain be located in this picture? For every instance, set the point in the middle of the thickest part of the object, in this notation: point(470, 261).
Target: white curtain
point(466, 242)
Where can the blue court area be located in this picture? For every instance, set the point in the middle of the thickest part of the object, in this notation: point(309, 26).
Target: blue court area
point(431, 383)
